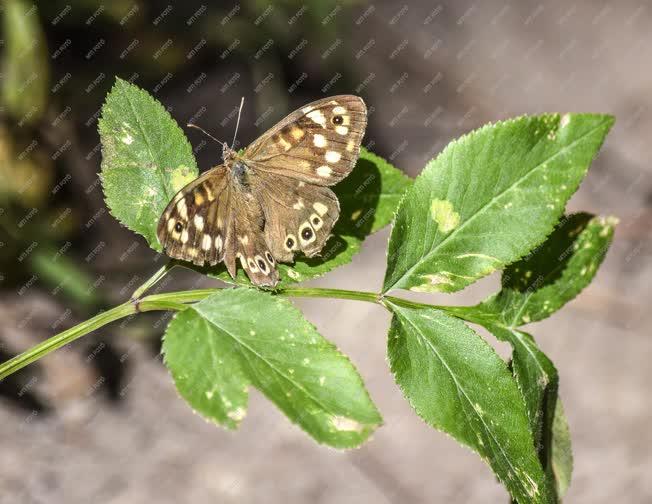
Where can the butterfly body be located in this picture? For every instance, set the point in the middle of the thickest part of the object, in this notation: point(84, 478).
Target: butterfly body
point(272, 201)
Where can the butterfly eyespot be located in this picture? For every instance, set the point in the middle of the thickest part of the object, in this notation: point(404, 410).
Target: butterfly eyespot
point(262, 265)
point(178, 227)
point(306, 234)
point(338, 119)
point(316, 221)
point(269, 257)
point(289, 243)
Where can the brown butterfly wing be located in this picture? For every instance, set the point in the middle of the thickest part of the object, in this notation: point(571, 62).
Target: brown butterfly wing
point(317, 144)
point(212, 220)
point(298, 216)
point(249, 245)
point(196, 225)
point(283, 207)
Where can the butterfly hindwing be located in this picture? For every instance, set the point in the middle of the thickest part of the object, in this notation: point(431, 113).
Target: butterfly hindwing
point(299, 217)
point(317, 144)
point(248, 244)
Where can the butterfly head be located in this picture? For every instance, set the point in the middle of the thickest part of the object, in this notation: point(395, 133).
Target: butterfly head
point(228, 154)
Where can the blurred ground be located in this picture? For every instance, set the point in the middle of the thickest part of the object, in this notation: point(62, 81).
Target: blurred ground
point(429, 71)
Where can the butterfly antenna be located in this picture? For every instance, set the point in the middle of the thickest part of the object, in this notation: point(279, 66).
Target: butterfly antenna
point(190, 125)
point(237, 122)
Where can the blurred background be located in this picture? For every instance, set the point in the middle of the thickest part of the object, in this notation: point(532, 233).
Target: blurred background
point(100, 420)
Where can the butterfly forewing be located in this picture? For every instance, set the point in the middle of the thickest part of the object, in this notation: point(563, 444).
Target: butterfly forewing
point(194, 226)
point(317, 144)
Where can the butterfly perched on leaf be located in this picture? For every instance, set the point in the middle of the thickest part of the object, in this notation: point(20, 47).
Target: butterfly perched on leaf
point(271, 201)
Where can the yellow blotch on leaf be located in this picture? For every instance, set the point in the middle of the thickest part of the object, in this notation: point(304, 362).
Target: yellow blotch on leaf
point(181, 177)
point(344, 424)
point(433, 283)
point(444, 215)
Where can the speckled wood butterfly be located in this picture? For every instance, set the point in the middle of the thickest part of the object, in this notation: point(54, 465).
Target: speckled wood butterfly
point(269, 202)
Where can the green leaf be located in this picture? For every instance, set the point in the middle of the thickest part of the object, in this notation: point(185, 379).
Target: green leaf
point(551, 276)
point(24, 83)
point(368, 199)
point(240, 337)
point(562, 454)
point(488, 199)
point(369, 196)
point(538, 382)
point(146, 158)
point(458, 384)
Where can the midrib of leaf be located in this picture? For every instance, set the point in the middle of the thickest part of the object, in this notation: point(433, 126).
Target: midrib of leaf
point(463, 391)
point(491, 202)
point(266, 361)
point(523, 305)
point(154, 158)
point(524, 344)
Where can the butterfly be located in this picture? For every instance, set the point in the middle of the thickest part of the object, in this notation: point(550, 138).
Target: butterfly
point(271, 201)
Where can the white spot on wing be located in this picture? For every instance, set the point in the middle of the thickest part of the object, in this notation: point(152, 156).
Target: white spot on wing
point(324, 171)
point(332, 156)
point(320, 208)
point(317, 116)
point(199, 222)
point(341, 130)
point(298, 205)
point(319, 141)
point(207, 241)
point(182, 209)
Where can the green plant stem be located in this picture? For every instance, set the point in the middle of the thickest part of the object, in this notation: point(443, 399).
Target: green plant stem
point(63, 338)
point(177, 301)
point(369, 297)
point(70, 335)
point(155, 278)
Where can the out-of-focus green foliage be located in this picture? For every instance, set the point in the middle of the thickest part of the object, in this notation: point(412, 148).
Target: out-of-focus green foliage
point(24, 86)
